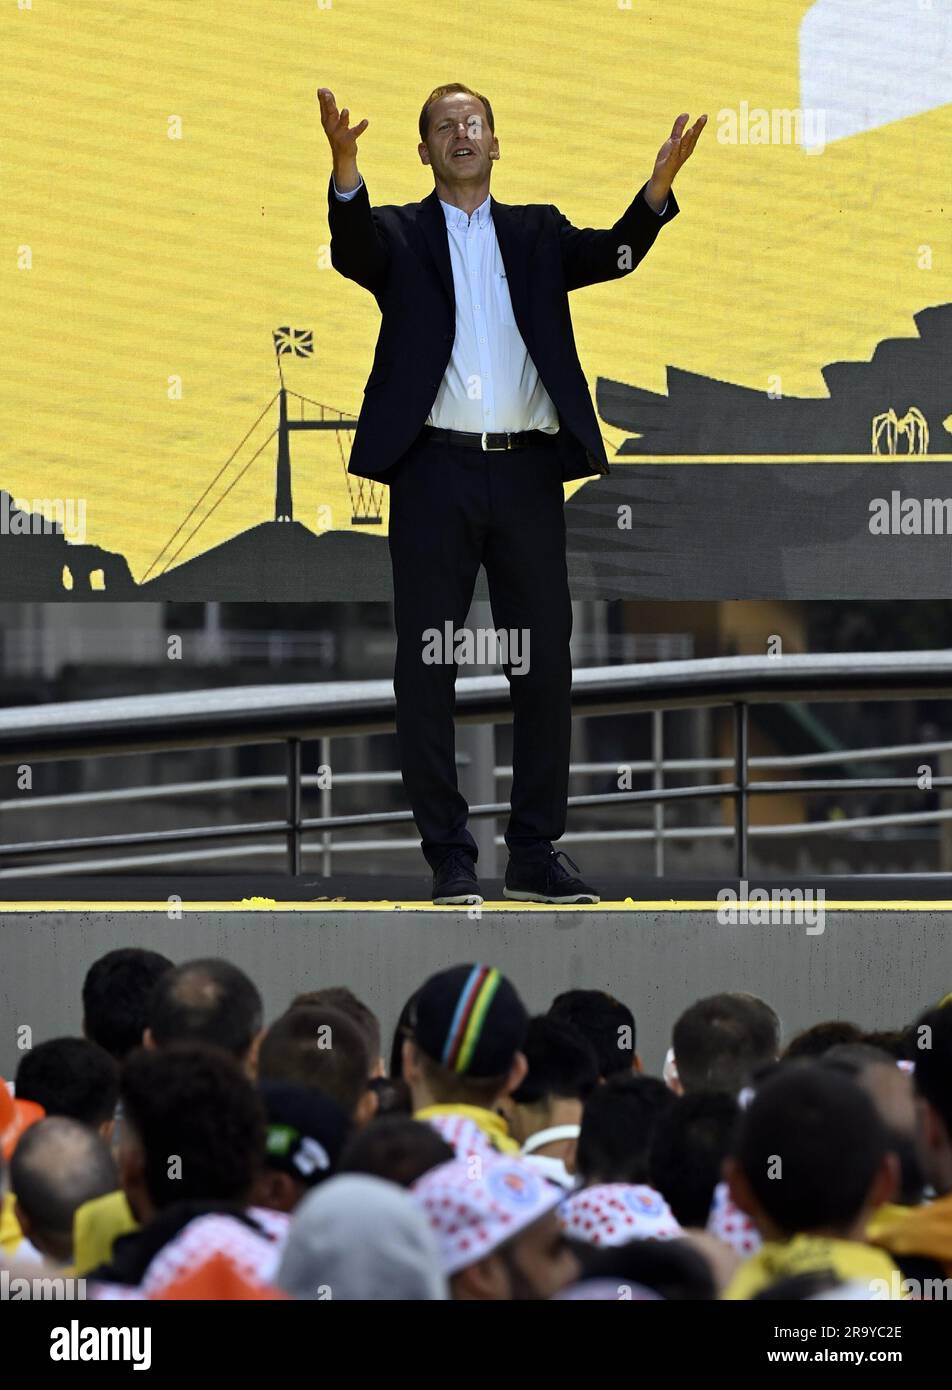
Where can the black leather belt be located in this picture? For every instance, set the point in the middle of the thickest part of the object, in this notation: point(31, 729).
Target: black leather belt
point(521, 439)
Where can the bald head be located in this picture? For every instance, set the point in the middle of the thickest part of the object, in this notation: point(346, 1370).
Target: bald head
point(206, 1001)
point(57, 1166)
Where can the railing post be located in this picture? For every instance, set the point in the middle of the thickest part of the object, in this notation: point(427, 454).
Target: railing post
point(741, 804)
point(294, 806)
point(657, 782)
point(326, 810)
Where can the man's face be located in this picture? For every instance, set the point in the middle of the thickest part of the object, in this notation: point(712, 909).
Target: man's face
point(459, 144)
point(540, 1261)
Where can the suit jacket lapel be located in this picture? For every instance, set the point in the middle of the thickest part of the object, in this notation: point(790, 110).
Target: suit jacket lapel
point(433, 224)
point(514, 252)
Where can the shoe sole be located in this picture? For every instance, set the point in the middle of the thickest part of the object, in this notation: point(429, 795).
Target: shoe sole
point(458, 900)
point(520, 897)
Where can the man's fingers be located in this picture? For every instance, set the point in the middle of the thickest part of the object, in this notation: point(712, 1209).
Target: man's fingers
point(679, 125)
point(359, 129)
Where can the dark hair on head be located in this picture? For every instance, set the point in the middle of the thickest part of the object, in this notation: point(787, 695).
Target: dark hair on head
point(194, 1103)
point(607, 1023)
point(562, 1063)
point(855, 1058)
point(720, 1041)
point(117, 993)
point(397, 1148)
point(798, 1286)
point(402, 1031)
point(72, 1077)
point(673, 1269)
point(393, 1095)
point(449, 1087)
point(346, 1002)
point(814, 1041)
point(317, 1047)
point(57, 1165)
point(446, 90)
point(895, 1041)
point(933, 1073)
point(690, 1142)
point(824, 1131)
point(618, 1126)
point(206, 1001)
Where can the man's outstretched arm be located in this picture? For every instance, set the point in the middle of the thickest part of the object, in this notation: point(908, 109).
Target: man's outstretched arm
point(358, 248)
point(590, 257)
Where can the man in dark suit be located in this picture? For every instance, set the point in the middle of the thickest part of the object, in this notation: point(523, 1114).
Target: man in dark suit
point(475, 412)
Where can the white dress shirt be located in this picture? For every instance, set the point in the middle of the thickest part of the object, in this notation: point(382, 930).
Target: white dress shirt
point(490, 382)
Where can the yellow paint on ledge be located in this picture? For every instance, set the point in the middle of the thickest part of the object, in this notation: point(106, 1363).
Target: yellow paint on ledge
point(250, 905)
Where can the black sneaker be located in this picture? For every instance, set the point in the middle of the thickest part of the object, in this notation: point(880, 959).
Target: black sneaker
point(546, 881)
point(455, 881)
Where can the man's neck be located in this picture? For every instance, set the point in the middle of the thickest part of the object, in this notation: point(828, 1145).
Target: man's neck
point(466, 197)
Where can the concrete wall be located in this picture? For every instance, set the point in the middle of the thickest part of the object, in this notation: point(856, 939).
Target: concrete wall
point(878, 968)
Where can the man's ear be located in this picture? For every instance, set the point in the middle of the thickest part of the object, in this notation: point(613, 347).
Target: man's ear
point(148, 1042)
point(251, 1057)
point(424, 153)
point(885, 1183)
point(742, 1194)
point(411, 1061)
point(366, 1108)
point(517, 1073)
point(637, 1065)
point(486, 1280)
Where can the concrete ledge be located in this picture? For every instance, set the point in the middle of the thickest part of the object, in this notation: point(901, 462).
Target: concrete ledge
point(878, 964)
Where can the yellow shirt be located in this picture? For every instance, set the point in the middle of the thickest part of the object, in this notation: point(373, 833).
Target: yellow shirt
point(96, 1225)
point(848, 1260)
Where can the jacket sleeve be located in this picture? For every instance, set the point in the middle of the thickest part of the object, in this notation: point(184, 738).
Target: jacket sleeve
point(359, 246)
point(590, 257)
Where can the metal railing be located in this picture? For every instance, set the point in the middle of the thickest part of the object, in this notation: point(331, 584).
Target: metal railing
point(293, 714)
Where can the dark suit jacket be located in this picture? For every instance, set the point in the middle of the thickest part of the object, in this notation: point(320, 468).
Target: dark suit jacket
point(401, 255)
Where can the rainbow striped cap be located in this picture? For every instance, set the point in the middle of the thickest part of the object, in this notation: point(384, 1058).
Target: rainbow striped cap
point(471, 1020)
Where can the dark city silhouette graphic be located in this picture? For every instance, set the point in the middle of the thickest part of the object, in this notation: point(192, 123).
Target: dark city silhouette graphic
point(718, 490)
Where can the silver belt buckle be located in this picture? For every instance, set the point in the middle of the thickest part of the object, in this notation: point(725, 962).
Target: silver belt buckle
point(485, 447)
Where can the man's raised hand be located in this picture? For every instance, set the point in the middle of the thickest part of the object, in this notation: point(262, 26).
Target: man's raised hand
point(676, 149)
point(342, 139)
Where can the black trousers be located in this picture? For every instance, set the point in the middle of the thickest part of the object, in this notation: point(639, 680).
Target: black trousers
point(453, 509)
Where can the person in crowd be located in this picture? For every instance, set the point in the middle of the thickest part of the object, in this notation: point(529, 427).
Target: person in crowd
point(305, 1134)
point(397, 1148)
point(393, 1096)
point(325, 1049)
point(691, 1140)
point(57, 1166)
point(359, 1238)
point(919, 1238)
point(545, 1111)
point(643, 1271)
point(207, 1001)
point(615, 1202)
point(497, 1229)
point(463, 1054)
point(891, 1091)
point(810, 1163)
point(71, 1077)
point(607, 1023)
point(820, 1037)
point(720, 1041)
point(117, 993)
point(192, 1145)
point(346, 1002)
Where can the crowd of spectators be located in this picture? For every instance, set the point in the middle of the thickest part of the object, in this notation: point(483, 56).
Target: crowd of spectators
point(184, 1147)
